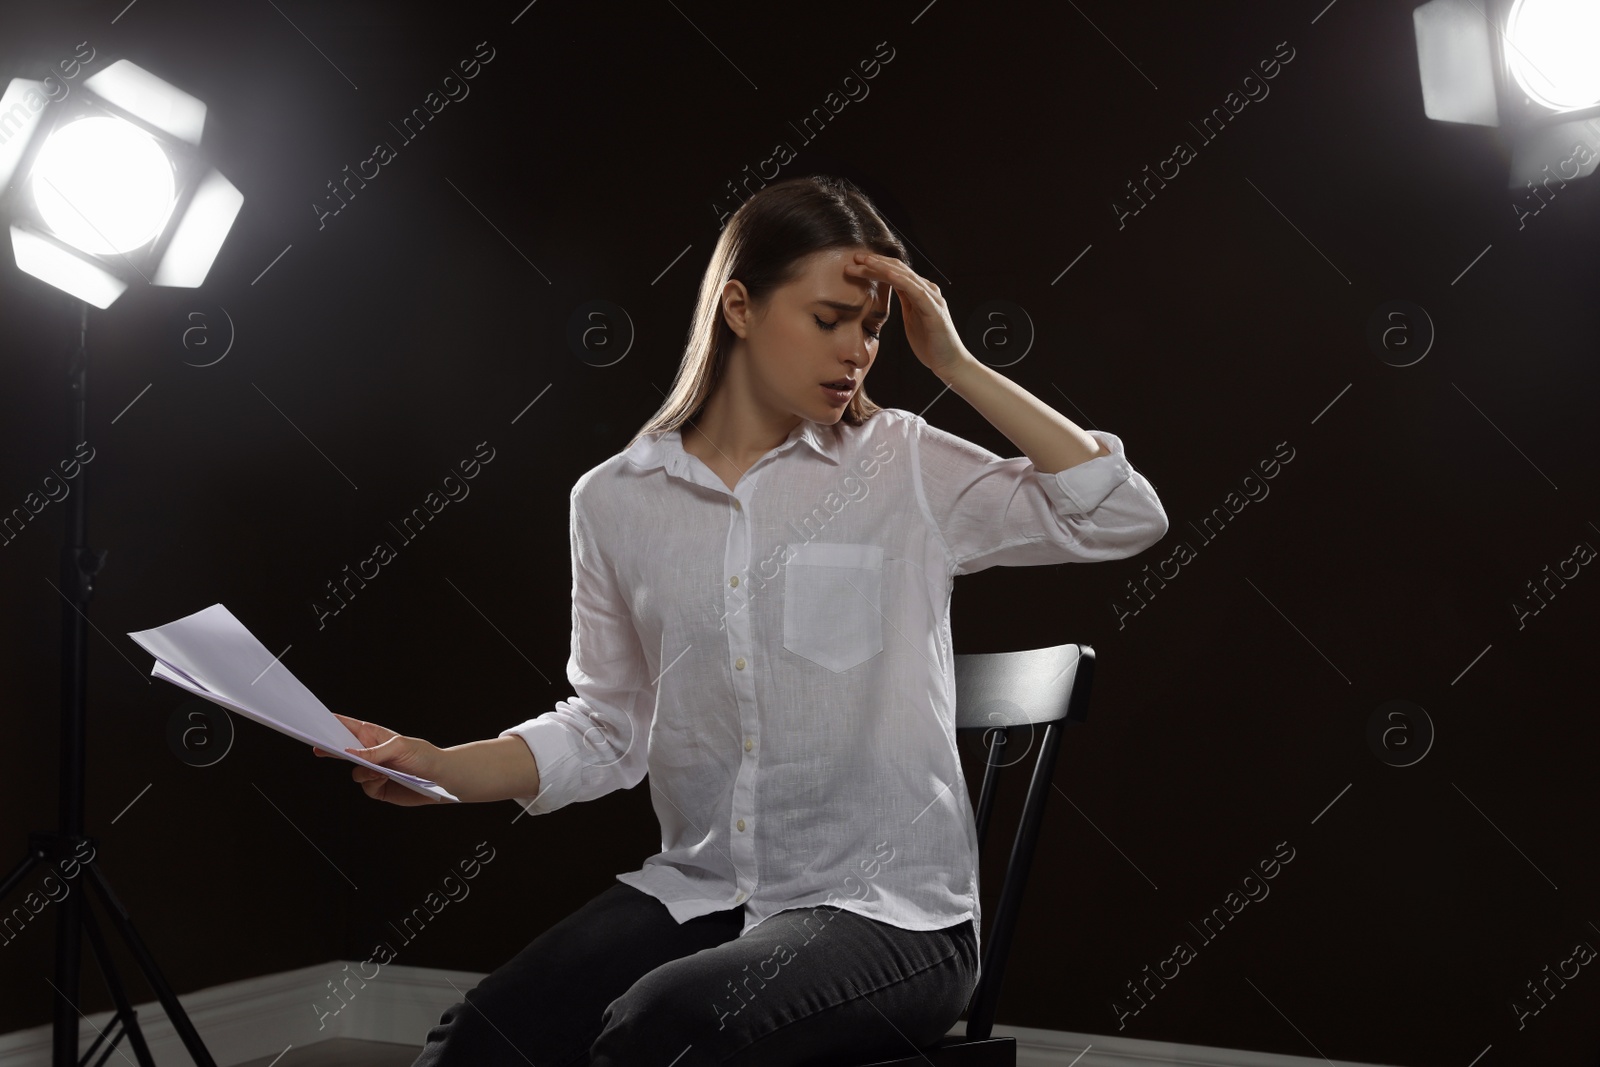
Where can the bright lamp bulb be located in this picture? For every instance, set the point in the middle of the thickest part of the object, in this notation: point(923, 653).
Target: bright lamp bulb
point(1551, 48)
point(103, 185)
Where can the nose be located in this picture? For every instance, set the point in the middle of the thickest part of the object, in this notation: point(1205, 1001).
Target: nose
point(858, 356)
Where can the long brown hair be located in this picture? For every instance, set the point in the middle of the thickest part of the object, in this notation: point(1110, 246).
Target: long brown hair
point(762, 246)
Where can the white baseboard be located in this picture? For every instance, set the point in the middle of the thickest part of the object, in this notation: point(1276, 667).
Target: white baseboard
point(264, 1016)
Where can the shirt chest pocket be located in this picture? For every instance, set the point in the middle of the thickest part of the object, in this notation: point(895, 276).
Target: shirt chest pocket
point(831, 610)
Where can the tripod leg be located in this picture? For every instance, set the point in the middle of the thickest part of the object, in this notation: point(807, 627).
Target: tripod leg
point(180, 1018)
point(28, 862)
point(126, 1016)
point(20, 871)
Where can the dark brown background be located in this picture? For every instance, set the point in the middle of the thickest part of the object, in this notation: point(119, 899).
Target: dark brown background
point(1229, 316)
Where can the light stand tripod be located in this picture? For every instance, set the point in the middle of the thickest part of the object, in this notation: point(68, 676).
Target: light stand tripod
point(65, 847)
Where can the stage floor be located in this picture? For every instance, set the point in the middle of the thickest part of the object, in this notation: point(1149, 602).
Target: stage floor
point(342, 1052)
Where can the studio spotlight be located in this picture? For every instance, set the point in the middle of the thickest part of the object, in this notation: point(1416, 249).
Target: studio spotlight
point(108, 187)
point(1526, 66)
point(100, 189)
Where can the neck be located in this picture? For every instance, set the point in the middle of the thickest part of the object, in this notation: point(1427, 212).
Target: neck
point(736, 427)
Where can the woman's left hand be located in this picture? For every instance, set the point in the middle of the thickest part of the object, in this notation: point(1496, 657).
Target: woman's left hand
point(932, 335)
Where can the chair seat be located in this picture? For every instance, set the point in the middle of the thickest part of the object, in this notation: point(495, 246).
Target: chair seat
point(952, 1051)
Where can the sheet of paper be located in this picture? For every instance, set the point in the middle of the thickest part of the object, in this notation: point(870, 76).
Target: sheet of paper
point(212, 655)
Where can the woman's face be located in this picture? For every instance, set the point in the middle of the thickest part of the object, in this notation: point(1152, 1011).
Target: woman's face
point(821, 327)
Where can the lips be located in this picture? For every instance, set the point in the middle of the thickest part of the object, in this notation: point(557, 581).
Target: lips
point(844, 384)
point(838, 396)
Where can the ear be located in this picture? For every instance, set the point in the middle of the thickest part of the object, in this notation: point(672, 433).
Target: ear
point(736, 309)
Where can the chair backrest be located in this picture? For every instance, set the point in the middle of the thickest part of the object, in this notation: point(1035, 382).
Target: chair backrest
point(1011, 697)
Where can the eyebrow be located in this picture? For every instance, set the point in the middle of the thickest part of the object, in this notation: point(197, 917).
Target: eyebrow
point(839, 305)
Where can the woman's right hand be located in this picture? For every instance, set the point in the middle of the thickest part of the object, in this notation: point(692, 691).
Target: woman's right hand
point(410, 755)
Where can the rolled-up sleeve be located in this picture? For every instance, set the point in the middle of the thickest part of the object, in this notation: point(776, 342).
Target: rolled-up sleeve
point(596, 741)
point(990, 511)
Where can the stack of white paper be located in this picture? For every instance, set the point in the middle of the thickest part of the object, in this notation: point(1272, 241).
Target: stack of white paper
point(212, 655)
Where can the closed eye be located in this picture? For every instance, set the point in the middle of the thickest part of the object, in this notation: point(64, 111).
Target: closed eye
point(874, 334)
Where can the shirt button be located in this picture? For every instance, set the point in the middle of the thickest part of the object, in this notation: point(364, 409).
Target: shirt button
point(748, 744)
point(736, 505)
point(739, 663)
point(740, 824)
point(734, 581)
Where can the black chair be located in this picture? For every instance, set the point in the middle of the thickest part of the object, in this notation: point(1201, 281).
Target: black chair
point(1008, 697)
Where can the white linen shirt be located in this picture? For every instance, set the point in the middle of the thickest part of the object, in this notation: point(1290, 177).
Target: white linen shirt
point(777, 656)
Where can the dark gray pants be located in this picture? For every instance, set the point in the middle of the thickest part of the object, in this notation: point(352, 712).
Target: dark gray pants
point(619, 981)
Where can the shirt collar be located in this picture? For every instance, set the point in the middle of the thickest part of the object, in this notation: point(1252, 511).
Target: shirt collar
point(666, 450)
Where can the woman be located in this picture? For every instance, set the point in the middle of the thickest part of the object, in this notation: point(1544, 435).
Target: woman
point(761, 584)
